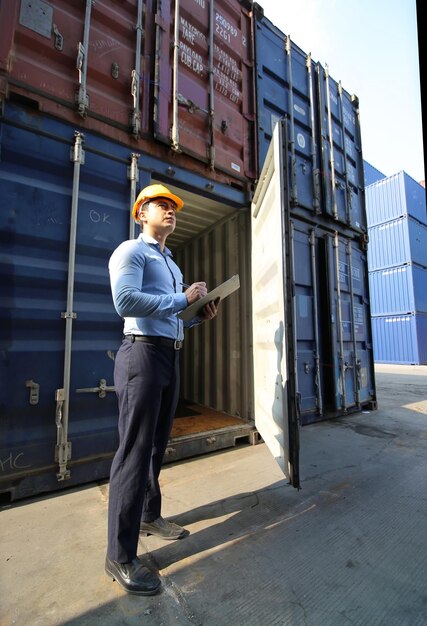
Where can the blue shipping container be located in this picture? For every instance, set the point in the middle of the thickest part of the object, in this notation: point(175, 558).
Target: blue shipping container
point(394, 197)
point(371, 174)
point(394, 243)
point(286, 87)
point(332, 322)
point(397, 290)
point(324, 146)
point(38, 368)
point(65, 201)
point(341, 152)
point(400, 339)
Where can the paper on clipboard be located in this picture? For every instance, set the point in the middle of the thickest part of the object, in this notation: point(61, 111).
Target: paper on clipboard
point(221, 292)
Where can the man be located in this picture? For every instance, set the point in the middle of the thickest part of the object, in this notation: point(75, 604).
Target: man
point(147, 289)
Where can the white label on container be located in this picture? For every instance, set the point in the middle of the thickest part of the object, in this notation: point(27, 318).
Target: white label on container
point(235, 167)
point(191, 59)
point(299, 109)
point(224, 29)
point(301, 140)
point(190, 33)
point(227, 76)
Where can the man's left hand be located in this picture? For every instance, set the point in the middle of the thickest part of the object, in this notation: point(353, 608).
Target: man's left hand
point(210, 310)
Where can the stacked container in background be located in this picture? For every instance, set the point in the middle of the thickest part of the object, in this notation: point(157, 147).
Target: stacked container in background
point(372, 175)
point(397, 259)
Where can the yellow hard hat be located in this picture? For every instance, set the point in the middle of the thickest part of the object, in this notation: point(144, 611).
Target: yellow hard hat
point(155, 191)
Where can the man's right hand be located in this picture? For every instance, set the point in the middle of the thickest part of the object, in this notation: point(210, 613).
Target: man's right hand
point(195, 292)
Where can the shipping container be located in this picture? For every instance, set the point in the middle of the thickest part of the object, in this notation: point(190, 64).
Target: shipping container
point(304, 354)
point(394, 197)
point(325, 157)
point(343, 183)
point(65, 206)
point(286, 88)
point(203, 83)
point(398, 290)
point(372, 175)
point(400, 339)
point(134, 70)
point(394, 243)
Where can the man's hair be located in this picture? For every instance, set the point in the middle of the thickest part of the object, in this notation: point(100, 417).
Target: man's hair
point(143, 205)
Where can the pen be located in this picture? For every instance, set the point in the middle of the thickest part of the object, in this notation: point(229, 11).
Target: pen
point(185, 285)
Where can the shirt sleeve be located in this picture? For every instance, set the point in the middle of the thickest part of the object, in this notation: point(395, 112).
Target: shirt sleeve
point(193, 322)
point(126, 269)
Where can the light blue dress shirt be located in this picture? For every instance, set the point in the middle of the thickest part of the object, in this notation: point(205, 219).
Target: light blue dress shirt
point(147, 290)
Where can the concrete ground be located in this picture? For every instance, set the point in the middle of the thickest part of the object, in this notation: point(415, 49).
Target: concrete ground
point(349, 548)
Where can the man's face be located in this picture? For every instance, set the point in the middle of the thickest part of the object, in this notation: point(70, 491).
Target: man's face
point(159, 214)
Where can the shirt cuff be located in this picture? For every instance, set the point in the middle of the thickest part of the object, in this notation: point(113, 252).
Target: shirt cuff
point(181, 302)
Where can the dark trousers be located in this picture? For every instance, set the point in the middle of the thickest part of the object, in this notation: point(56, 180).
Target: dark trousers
point(146, 378)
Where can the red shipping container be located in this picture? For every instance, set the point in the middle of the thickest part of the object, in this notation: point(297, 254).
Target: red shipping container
point(121, 68)
point(204, 82)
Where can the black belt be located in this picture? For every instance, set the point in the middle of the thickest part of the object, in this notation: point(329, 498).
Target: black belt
point(157, 341)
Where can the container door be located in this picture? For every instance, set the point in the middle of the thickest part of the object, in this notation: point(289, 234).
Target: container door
point(57, 351)
point(203, 83)
point(275, 397)
point(341, 163)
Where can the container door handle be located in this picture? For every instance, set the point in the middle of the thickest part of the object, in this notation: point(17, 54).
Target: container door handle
point(101, 390)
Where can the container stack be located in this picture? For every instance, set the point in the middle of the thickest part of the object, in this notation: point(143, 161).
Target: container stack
point(397, 260)
point(325, 216)
point(98, 100)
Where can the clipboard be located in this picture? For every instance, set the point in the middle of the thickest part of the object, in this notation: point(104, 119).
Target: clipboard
point(221, 292)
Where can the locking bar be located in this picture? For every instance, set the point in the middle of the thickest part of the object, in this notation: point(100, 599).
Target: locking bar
point(135, 121)
point(133, 176)
point(62, 396)
point(82, 98)
point(101, 390)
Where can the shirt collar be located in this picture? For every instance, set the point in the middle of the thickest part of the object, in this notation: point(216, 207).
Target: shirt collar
point(150, 240)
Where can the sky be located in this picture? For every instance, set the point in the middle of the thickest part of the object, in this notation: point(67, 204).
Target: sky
point(371, 46)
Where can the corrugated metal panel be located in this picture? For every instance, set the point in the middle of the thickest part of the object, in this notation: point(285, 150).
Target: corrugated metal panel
point(396, 290)
point(349, 320)
point(371, 174)
point(40, 193)
point(329, 340)
point(393, 197)
point(108, 67)
point(397, 242)
point(217, 362)
point(333, 336)
point(400, 339)
point(324, 143)
point(76, 58)
point(204, 83)
point(341, 160)
point(286, 88)
point(37, 196)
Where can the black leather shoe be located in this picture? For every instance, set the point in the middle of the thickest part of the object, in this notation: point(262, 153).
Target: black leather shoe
point(164, 529)
point(133, 577)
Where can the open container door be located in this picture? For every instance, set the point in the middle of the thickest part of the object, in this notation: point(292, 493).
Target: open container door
point(275, 397)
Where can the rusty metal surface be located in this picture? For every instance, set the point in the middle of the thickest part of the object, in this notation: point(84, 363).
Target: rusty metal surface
point(126, 93)
point(214, 119)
